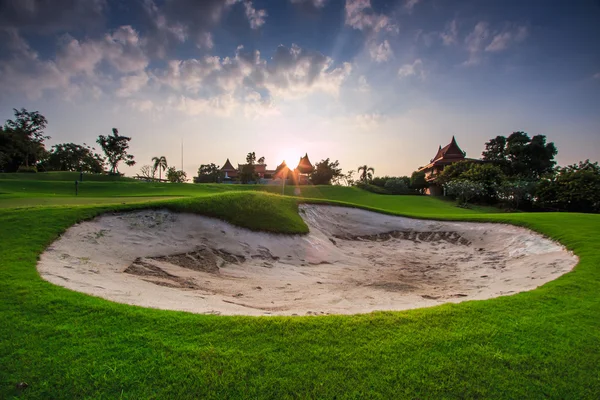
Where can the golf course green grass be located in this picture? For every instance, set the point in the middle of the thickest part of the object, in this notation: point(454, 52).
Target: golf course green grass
point(65, 345)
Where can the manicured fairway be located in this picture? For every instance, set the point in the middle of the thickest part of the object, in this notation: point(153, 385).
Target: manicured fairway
point(540, 344)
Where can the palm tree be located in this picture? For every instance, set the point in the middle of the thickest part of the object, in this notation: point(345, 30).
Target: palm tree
point(160, 163)
point(367, 173)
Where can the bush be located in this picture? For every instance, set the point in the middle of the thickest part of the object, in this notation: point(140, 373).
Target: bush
point(372, 188)
point(464, 190)
point(396, 186)
point(381, 180)
point(516, 192)
point(418, 182)
point(574, 188)
point(30, 170)
point(489, 175)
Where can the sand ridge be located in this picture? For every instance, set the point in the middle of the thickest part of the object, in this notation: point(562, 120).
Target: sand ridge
point(352, 261)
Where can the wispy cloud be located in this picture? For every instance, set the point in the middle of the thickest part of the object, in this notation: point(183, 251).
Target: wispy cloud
point(363, 85)
point(450, 34)
point(360, 15)
point(369, 120)
point(414, 69)
point(503, 40)
point(596, 75)
point(410, 4)
point(479, 41)
point(380, 52)
point(255, 17)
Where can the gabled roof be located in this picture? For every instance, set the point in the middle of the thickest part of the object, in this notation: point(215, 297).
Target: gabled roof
point(282, 165)
point(281, 170)
point(304, 165)
point(227, 166)
point(450, 151)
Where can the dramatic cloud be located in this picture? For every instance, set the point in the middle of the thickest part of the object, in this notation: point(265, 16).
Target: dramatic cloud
point(180, 20)
point(131, 84)
point(224, 83)
point(25, 72)
point(122, 49)
point(76, 66)
point(360, 15)
point(49, 16)
point(380, 52)
point(414, 69)
point(255, 17)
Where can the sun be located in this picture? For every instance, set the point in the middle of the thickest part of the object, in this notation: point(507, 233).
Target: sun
point(290, 155)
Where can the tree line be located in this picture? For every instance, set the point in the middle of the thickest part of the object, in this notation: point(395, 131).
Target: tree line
point(22, 148)
point(520, 172)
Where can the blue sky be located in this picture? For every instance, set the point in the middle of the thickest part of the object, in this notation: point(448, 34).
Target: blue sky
point(376, 82)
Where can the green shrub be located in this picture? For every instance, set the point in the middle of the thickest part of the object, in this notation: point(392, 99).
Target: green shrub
point(396, 186)
point(372, 188)
point(30, 170)
point(573, 188)
point(464, 190)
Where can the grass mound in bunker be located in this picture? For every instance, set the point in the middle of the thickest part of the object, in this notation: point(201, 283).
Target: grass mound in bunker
point(352, 261)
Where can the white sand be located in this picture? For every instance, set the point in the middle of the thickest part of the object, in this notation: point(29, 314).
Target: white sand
point(352, 261)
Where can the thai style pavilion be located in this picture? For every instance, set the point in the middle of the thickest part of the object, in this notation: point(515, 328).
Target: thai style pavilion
point(445, 156)
point(228, 171)
point(300, 174)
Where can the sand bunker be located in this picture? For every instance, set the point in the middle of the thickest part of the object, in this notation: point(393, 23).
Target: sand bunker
point(352, 261)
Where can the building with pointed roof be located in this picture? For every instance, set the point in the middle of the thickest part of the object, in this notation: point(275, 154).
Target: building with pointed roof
point(229, 172)
point(445, 156)
point(299, 174)
point(304, 165)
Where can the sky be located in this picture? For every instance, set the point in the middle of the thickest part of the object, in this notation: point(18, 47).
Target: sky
point(382, 83)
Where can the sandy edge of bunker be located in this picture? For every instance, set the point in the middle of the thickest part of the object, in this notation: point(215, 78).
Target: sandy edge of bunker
point(352, 261)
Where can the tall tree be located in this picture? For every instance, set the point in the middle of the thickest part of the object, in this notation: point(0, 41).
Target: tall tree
point(521, 156)
point(146, 171)
point(325, 172)
point(573, 188)
point(248, 170)
point(73, 157)
point(495, 152)
point(418, 181)
point(22, 139)
point(115, 148)
point(160, 164)
point(209, 173)
point(540, 156)
point(176, 176)
point(367, 173)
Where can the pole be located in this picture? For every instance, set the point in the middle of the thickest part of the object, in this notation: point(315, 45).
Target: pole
point(182, 153)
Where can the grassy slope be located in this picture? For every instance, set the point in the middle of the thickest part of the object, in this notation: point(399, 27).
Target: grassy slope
point(15, 193)
point(544, 343)
point(63, 176)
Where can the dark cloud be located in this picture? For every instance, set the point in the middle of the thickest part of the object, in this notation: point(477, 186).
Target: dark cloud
point(49, 16)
